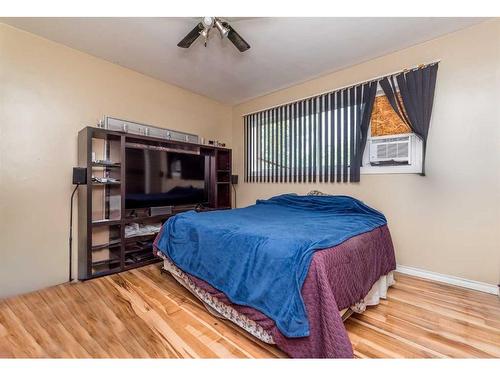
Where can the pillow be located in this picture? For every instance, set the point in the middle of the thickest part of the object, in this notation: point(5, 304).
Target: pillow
point(316, 192)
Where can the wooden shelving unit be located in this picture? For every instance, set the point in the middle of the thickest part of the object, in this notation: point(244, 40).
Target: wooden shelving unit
point(223, 178)
point(103, 248)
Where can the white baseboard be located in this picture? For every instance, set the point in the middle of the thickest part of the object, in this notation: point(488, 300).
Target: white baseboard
point(447, 279)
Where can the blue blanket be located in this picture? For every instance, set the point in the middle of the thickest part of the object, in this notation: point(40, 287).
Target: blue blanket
point(259, 255)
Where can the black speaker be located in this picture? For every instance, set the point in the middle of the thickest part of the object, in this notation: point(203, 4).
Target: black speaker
point(234, 179)
point(79, 176)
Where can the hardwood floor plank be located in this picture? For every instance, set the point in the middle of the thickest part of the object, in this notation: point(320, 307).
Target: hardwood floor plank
point(421, 338)
point(99, 328)
point(155, 345)
point(29, 322)
point(476, 308)
point(21, 343)
point(252, 345)
point(398, 315)
point(398, 336)
point(476, 304)
point(447, 289)
point(145, 314)
point(196, 311)
point(443, 307)
point(374, 344)
point(171, 329)
point(195, 325)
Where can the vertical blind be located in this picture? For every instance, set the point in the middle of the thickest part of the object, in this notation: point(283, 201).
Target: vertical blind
point(319, 139)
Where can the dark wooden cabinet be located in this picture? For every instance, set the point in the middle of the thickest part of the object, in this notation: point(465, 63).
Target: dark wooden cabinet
point(103, 246)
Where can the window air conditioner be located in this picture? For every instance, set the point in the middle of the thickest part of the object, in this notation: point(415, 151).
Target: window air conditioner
point(390, 150)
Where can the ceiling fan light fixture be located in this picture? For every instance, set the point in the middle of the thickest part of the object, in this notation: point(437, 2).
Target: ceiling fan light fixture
point(224, 31)
point(203, 29)
point(204, 33)
point(208, 22)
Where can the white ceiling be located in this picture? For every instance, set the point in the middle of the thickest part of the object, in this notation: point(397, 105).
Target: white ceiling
point(284, 51)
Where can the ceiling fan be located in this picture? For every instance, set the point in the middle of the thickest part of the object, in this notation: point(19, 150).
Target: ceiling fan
point(225, 31)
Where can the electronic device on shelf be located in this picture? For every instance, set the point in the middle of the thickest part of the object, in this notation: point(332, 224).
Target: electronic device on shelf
point(105, 163)
point(141, 229)
point(164, 210)
point(105, 180)
point(138, 213)
point(161, 179)
point(79, 176)
point(132, 127)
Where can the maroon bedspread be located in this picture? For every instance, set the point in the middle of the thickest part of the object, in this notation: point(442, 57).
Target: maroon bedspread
point(338, 277)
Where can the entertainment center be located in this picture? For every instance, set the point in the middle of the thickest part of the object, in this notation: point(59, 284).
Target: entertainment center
point(133, 184)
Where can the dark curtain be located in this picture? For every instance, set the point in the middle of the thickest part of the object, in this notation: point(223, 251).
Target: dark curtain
point(365, 100)
point(417, 96)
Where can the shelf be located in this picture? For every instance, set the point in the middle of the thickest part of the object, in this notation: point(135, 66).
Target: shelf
point(106, 222)
point(95, 183)
point(224, 170)
point(132, 251)
point(155, 259)
point(103, 273)
point(222, 182)
point(104, 165)
point(141, 237)
point(107, 245)
point(105, 261)
point(101, 133)
point(157, 217)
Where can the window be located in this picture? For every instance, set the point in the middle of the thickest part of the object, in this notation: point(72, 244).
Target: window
point(313, 140)
point(391, 146)
point(320, 139)
point(334, 137)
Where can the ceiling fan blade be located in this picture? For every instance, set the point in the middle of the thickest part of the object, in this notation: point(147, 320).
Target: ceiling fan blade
point(236, 39)
point(191, 36)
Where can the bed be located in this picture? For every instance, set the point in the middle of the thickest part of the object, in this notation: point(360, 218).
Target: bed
point(237, 271)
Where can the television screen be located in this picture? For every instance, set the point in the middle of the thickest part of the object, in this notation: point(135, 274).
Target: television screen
point(163, 178)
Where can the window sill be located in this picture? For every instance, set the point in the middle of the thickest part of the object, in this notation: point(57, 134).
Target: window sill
point(392, 169)
point(384, 169)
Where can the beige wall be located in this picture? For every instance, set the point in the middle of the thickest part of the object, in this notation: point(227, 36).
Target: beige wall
point(448, 221)
point(48, 92)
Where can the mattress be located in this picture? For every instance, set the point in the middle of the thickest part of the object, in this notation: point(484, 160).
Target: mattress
point(227, 311)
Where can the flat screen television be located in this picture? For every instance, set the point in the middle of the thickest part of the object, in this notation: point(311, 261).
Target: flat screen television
point(163, 178)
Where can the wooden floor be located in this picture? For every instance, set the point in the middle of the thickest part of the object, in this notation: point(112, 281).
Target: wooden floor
point(143, 313)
